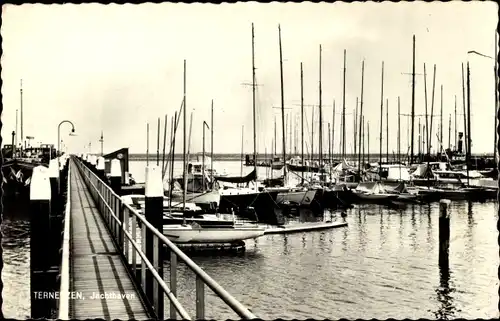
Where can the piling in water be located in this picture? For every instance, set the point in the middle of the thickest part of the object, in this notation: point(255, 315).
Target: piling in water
point(40, 207)
point(444, 232)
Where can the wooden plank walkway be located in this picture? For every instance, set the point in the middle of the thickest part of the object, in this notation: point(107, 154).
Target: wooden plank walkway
point(97, 272)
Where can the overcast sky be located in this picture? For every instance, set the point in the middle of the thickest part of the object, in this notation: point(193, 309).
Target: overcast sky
point(117, 67)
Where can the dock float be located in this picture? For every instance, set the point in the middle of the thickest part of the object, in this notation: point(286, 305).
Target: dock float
point(303, 227)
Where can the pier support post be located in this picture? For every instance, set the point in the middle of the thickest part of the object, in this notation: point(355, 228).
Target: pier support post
point(93, 163)
point(55, 216)
point(115, 176)
point(100, 168)
point(154, 247)
point(54, 184)
point(444, 232)
point(40, 278)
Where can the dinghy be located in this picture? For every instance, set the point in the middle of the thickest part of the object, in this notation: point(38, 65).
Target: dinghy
point(193, 233)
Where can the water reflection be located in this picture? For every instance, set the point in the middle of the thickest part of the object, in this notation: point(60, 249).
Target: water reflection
point(383, 261)
point(15, 272)
point(286, 249)
point(446, 308)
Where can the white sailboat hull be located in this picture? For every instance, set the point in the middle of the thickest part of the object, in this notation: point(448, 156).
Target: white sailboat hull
point(198, 198)
point(189, 234)
point(299, 197)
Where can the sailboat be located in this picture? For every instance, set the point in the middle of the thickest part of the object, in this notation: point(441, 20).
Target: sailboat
point(196, 233)
point(240, 198)
point(198, 188)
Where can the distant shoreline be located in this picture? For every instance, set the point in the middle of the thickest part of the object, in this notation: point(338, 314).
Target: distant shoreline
point(262, 157)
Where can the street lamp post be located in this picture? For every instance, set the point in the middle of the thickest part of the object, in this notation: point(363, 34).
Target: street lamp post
point(496, 96)
point(59, 137)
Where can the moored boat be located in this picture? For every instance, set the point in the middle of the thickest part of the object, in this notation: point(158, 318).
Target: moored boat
point(192, 233)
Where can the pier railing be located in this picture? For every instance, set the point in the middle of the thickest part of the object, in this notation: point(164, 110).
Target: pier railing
point(133, 248)
point(64, 290)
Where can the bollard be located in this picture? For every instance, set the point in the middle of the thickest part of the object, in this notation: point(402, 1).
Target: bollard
point(444, 232)
point(100, 168)
point(40, 198)
point(115, 176)
point(154, 248)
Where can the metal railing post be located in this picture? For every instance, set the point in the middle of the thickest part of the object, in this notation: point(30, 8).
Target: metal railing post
point(153, 263)
point(126, 223)
point(143, 249)
point(173, 281)
point(157, 293)
point(133, 226)
point(200, 298)
point(121, 218)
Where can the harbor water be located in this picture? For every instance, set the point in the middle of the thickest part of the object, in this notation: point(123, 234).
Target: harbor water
point(383, 265)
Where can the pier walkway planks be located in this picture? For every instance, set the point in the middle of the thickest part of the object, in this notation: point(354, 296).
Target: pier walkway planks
point(96, 266)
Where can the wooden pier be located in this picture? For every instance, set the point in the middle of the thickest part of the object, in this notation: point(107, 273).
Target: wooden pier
point(111, 266)
point(96, 265)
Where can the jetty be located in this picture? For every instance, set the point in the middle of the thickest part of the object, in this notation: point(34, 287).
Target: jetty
point(304, 227)
point(105, 266)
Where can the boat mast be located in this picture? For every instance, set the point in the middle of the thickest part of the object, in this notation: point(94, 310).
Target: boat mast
point(173, 131)
point(15, 143)
point(432, 106)
point(330, 149)
point(22, 135)
point(449, 133)
point(455, 144)
point(387, 129)
point(301, 119)
point(368, 141)
point(212, 144)
point(465, 112)
point(355, 128)
point(333, 129)
point(253, 107)
point(203, 160)
point(147, 144)
point(427, 138)
point(184, 176)
point(241, 165)
point(363, 135)
point(291, 138)
point(320, 118)
point(343, 109)
point(412, 103)
point(361, 125)
point(312, 134)
point(469, 149)
point(158, 143)
point(399, 131)
point(164, 146)
point(381, 114)
point(496, 105)
point(441, 126)
point(282, 106)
